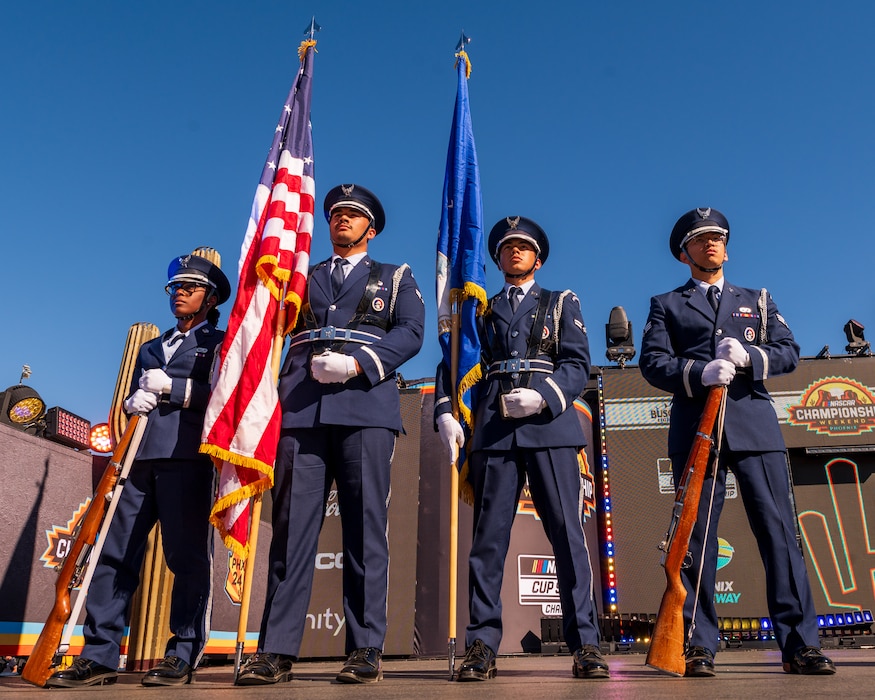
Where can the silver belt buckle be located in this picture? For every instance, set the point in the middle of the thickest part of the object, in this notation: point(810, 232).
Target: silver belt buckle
point(513, 365)
point(328, 332)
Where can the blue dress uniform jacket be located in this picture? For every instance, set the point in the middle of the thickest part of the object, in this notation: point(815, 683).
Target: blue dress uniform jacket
point(174, 427)
point(555, 426)
point(370, 399)
point(542, 448)
point(680, 338)
point(342, 433)
point(172, 483)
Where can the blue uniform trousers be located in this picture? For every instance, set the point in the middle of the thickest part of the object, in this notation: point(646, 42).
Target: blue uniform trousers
point(765, 490)
point(179, 494)
point(308, 460)
point(554, 481)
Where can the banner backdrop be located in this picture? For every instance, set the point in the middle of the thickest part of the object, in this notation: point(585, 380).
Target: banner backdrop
point(825, 409)
point(642, 497)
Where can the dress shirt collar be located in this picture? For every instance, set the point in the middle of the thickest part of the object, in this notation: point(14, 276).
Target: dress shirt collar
point(526, 287)
point(353, 260)
point(704, 286)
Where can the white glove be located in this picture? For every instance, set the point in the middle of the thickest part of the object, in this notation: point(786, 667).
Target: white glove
point(521, 403)
point(141, 402)
point(333, 367)
point(157, 381)
point(718, 373)
point(452, 435)
point(733, 351)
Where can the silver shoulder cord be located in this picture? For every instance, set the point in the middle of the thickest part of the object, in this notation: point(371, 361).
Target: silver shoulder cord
point(763, 308)
point(719, 444)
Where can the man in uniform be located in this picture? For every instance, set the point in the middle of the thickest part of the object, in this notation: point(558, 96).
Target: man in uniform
point(341, 414)
point(706, 333)
point(169, 482)
point(535, 361)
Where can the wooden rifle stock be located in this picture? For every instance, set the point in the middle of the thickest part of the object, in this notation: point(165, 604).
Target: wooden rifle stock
point(666, 652)
point(39, 664)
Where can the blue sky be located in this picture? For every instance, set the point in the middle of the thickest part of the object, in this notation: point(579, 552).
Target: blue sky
point(135, 132)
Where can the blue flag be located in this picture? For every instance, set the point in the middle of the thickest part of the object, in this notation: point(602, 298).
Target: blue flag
point(461, 255)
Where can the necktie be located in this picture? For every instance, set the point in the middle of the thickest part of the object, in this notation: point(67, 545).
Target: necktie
point(714, 296)
point(170, 348)
point(337, 276)
point(513, 296)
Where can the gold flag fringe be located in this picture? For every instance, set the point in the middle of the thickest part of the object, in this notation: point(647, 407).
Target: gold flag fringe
point(470, 290)
point(463, 56)
point(270, 280)
point(220, 455)
point(302, 49)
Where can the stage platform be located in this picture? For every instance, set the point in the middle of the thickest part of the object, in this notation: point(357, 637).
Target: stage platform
point(740, 674)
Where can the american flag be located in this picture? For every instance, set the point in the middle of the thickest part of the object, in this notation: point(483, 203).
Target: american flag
point(242, 424)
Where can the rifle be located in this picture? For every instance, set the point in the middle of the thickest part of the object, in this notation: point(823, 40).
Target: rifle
point(83, 552)
point(666, 652)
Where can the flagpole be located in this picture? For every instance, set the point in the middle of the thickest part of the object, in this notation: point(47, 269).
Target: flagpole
point(255, 512)
point(457, 224)
point(455, 327)
point(273, 277)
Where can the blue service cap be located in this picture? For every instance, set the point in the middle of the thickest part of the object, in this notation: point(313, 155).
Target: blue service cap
point(193, 268)
point(695, 223)
point(355, 197)
point(518, 227)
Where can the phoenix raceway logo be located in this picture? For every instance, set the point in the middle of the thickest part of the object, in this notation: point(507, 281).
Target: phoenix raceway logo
point(526, 506)
point(724, 591)
point(60, 539)
point(835, 406)
point(538, 584)
point(839, 541)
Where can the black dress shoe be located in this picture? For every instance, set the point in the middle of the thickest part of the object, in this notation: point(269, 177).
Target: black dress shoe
point(265, 669)
point(478, 664)
point(700, 663)
point(82, 673)
point(810, 661)
point(589, 663)
point(362, 666)
point(171, 671)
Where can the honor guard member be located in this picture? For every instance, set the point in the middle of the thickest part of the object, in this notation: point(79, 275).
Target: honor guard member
point(535, 363)
point(706, 333)
point(341, 414)
point(169, 482)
